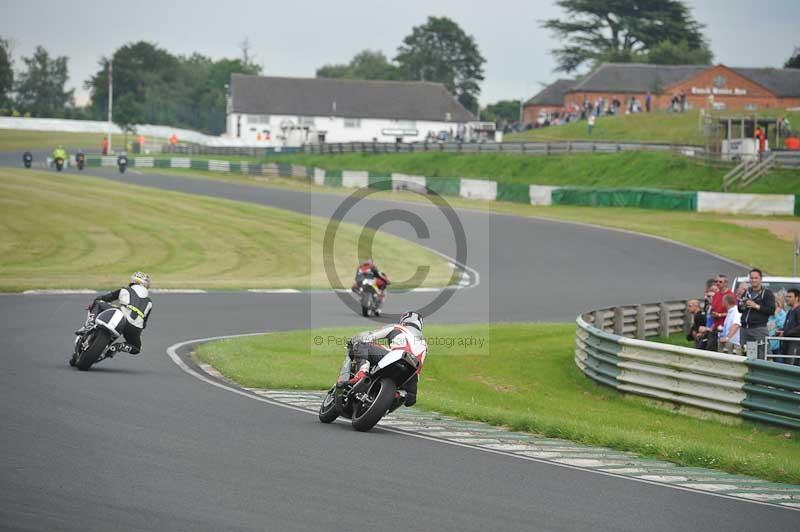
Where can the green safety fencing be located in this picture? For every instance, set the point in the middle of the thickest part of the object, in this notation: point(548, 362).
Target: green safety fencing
point(514, 192)
point(444, 186)
point(379, 181)
point(615, 197)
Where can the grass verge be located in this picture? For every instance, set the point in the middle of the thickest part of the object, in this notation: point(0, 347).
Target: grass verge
point(22, 140)
point(757, 246)
point(523, 376)
point(71, 231)
point(625, 170)
point(663, 127)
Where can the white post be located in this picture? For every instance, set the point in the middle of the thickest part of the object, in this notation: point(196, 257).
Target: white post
point(110, 101)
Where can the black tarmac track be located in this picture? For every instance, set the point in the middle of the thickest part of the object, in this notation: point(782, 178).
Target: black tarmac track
point(137, 444)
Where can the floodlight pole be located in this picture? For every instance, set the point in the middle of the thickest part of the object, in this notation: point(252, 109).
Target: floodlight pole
point(110, 101)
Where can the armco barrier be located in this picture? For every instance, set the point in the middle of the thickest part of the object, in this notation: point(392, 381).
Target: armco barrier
point(758, 390)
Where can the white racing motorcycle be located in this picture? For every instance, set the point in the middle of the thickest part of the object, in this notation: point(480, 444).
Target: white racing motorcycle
point(94, 344)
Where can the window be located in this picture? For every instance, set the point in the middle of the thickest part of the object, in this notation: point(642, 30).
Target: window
point(406, 124)
point(354, 123)
point(306, 121)
point(258, 119)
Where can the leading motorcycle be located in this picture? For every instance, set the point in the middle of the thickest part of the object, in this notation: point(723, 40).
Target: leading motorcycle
point(369, 296)
point(27, 159)
point(94, 344)
point(80, 160)
point(122, 163)
point(381, 392)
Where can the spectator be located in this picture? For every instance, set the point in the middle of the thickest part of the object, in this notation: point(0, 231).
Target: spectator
point(591, 120)
point(791, 328)
point(648, 101)
point(740, 290)
point(683, 101)
point(729, 335)
point(718, 310)
point(105, 146)
point(776, 321)
point(699, 332)
point(757, 305)
point(711, 289)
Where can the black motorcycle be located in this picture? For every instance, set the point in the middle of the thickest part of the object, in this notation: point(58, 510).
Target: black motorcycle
point(80, 160)
point(93, 344)
point(27, 159)
point(59, 162)
point(379, 393)
point(122, 163)
point(369, 296)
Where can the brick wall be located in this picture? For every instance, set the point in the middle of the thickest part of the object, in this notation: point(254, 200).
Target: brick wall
point(755, 94)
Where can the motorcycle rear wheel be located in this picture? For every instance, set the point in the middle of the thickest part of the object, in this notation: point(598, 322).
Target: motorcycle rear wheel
point(327, 410)
point(382, 394)
point(101, 339)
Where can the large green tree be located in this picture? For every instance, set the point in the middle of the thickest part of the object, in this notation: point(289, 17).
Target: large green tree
point(440, 50)
point(502, 111)
point(794, 61)
point(153, 86)
point(368, 64)
point(6, 74)
point(622, 31)
point(40, 87)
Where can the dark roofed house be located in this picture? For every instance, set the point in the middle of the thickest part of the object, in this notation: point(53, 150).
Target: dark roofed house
point(719, 86)
point(548, 100)
point(278, 111)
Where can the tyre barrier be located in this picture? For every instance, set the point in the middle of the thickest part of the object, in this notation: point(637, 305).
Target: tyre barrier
point(752, 389)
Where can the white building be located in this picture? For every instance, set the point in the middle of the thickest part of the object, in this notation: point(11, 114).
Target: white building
point(274, 111)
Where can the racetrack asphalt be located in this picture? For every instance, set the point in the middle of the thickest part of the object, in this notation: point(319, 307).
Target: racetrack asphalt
point(136, 444)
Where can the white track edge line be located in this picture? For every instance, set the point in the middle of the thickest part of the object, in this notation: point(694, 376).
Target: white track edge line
point(172, 352)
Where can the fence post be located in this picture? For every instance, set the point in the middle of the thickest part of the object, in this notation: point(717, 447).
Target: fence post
point(641, 323)
point(663, 320)
point(522, 147)
point(598, 319)
point(619, 318)
point(547, 148)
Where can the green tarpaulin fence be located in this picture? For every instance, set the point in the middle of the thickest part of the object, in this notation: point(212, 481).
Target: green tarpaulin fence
point(613, 197)
point(515, 192)
point(444, 186)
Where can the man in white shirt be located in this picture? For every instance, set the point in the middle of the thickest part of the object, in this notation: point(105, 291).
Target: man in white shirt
point(729, 335)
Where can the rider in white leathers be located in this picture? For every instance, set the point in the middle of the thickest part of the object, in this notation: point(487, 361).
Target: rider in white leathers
point(405, 336)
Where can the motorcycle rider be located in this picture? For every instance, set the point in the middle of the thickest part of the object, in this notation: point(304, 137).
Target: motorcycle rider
point(368, 270)
point(406, 336)
point(60, 153)
point(134, 301)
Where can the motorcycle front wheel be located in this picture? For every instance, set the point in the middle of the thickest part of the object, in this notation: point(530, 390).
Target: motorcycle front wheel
point(379, 398)
point(327, 410)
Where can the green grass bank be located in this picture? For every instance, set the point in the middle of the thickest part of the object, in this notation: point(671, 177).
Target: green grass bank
point(623, 170)
point(523, 376)
point(73, 231)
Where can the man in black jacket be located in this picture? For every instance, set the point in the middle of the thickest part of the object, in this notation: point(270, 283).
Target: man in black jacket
point(791, 327)
point(699, 332)
point(756, 306)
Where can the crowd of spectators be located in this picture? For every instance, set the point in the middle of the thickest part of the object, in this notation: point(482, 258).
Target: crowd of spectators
point(726, 321)
point(600, 107)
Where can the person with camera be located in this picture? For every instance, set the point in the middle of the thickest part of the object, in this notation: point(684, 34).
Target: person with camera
point(757, 305)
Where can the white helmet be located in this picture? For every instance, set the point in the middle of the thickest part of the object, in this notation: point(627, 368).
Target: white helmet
point(141, 278)
point(412, 318)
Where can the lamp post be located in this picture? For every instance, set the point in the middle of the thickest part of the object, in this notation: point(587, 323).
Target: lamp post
point(110, 101)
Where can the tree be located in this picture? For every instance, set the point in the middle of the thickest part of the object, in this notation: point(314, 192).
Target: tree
point(368, 64)
point(502, 111)
point(622, 30)
point(794, 61)
point(672, 53)
point(441, 51)
point(152, 86)
point(40, 88)
point(6, 74)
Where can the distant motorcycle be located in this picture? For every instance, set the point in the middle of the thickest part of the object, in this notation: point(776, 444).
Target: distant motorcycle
point(94, 344)
point(122, 163)
point(369, 295)
point(379, 393)
point(80, 160)
point(27, 159)
point(59, 162)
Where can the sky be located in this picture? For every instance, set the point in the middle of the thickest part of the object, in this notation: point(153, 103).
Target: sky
point(295, 38)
